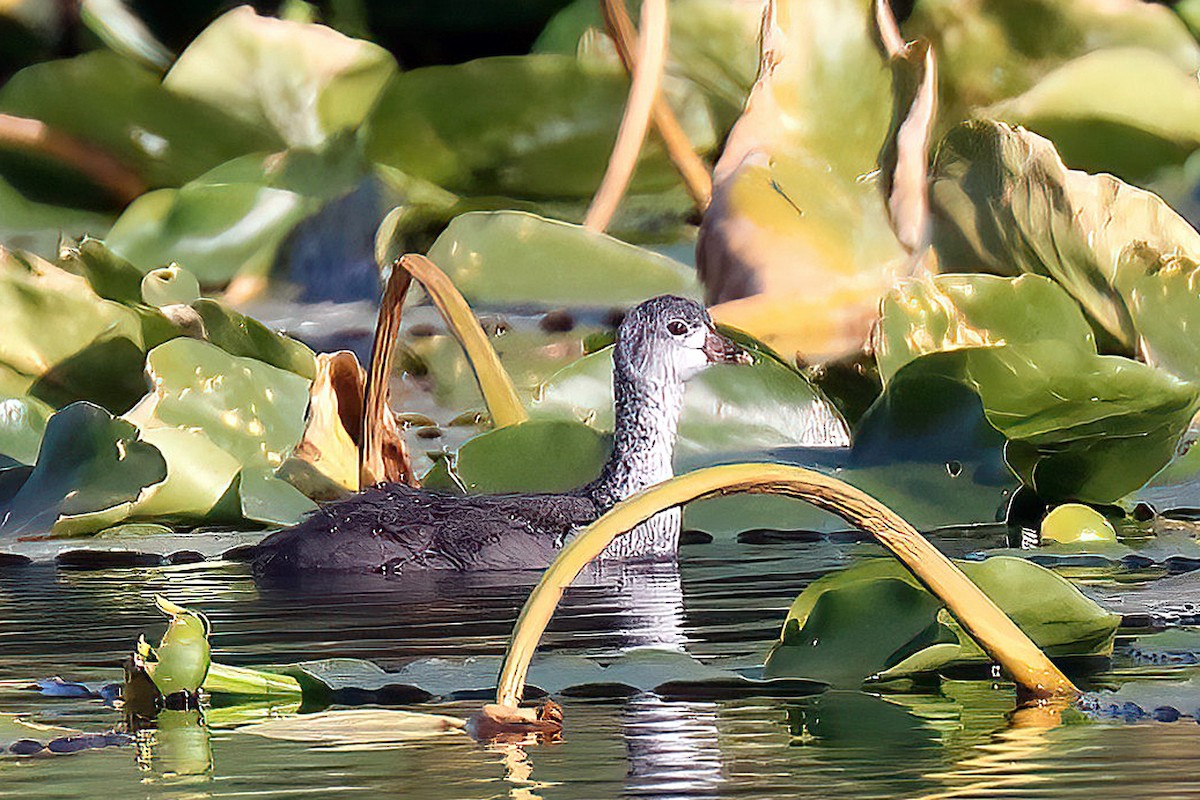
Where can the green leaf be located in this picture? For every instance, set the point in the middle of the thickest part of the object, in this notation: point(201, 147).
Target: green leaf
point(243, 682)
point(91, 468)
point(459, 127)
point(216, 231)
point(109, 275)
point(992, 49)
point(1129, 111)
point(198, 475)
point(952, 312)
point(534, 456)
point(1073, 523)
point(303, 82)
point(740, 407)
point(1005, 203)
point(240, 335)
point(797, 246)
point(22, 423)
point(168, 286)
point(874, 619)
point(854, 633)
point(251, 410)
point(271, 500)
point(517, 258)
point(121, 107)
point(37, 227)
point(1079, 426)
point(712, 46)
point(121, 29)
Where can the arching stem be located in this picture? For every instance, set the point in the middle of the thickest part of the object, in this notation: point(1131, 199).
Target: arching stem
point(691, 168)
point(647, 77)
point(999, 637)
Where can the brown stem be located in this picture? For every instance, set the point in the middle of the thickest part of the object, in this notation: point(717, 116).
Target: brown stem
point(373, 465)
point(691, 168)
point(31, 134)
point(647, 77)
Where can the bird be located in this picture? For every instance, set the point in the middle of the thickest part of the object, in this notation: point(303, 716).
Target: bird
point(396, 529)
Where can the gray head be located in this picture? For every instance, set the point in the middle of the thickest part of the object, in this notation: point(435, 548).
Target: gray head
point(669, 338)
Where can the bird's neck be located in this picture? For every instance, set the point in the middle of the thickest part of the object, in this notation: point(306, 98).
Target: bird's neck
point(647, 412)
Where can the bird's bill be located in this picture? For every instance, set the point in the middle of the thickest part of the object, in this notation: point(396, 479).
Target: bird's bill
point(722, 350)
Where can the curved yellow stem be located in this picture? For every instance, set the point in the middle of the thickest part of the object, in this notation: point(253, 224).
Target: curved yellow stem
point(979, 616)
point(647, 76)
point(689, 165)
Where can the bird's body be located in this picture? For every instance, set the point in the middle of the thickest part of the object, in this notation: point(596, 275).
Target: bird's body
point(396, 528)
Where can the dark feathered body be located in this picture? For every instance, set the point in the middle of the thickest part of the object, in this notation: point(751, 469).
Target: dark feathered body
point(395, 528)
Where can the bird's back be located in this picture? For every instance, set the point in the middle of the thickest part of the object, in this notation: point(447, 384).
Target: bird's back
point(395, 528)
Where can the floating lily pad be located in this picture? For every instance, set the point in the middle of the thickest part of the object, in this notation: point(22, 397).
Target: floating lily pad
point(861, 619)
point(1129, 111)
point(519, 259)
point(22, 422)
point(90, 470)
point(252, 410)
point(954, 312)
point(303, 82)
point(198, 475)
point(240, 335)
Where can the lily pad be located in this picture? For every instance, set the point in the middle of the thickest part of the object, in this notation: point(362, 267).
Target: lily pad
point(555, 143)
point(533, 456)
point(116, 104)
point(954, 312)
point(1129, 111)
point(302, 82)
point(1004, 202)
point(989, 50)
point(90, 470)
point(250, 410)
point(22, 423)
point(240, 335)
point(518, 259)
point(797, 247)
point(861, 619)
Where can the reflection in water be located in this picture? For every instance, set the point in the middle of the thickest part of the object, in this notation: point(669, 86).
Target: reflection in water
point(672, 747)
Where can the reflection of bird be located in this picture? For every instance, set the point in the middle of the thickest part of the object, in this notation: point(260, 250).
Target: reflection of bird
point(660, 344)
point(180, 662)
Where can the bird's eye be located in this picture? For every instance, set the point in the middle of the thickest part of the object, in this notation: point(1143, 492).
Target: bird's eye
point(677, 327)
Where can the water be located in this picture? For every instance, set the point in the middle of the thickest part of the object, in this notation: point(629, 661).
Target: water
point(959, 739)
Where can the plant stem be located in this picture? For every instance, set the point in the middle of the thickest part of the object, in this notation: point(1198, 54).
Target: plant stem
point(691, 168)
point(647, 76)
point(979, 616)
point(30, 134)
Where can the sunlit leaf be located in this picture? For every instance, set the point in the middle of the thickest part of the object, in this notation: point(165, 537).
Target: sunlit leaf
point(876, 619)
point(121, 29)
point(992, 49)
point(114, 103)
point(1003, 202)
point(303, 82)
point(198, 475)
point(952, 312)
point(22, 422)
point(517, 258)
point(243, 682)
point(797, 247)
